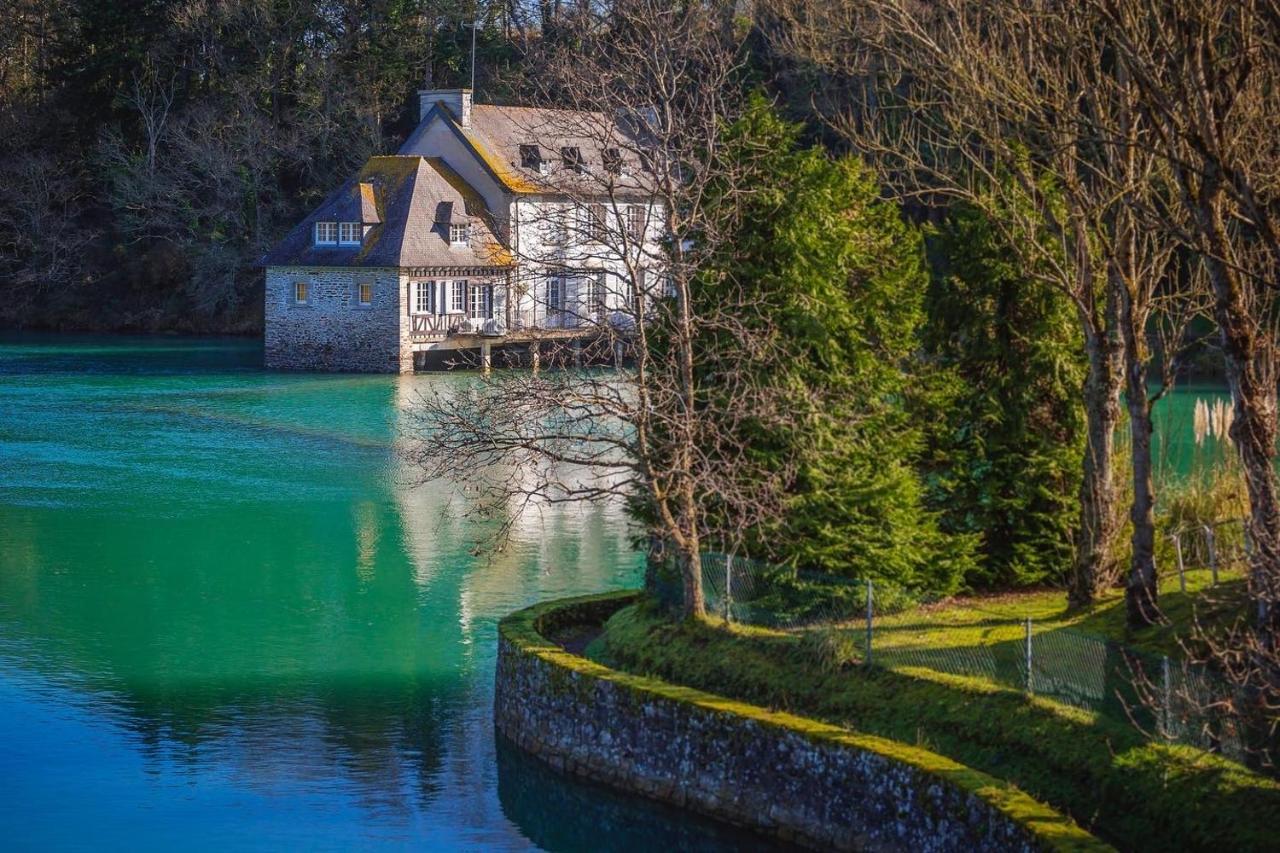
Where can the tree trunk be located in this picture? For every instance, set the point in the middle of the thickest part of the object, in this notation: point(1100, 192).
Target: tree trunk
point(1250, 364)
point(1097, 488)
point(1254, 432)
point(1141, 589)
point(1140, 593)
point(695, 603)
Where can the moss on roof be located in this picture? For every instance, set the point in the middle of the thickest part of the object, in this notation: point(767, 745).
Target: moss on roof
point(405, 190)
point(511, 179)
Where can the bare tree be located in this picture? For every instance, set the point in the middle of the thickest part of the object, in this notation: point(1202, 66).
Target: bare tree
point(1208, 73)
point(42, 242)
point(625, 214)
point(151, 96)
point(1015, 109)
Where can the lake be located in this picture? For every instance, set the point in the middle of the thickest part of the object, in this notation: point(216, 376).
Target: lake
point(228, 621)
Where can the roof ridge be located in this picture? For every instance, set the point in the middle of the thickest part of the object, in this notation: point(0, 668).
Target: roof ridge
point(414, 202)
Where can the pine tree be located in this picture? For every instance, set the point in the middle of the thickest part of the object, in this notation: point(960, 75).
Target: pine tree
point(1004, 460)
point(841, 277)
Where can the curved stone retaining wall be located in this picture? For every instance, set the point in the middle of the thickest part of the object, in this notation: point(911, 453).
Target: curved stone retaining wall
point(788, 776)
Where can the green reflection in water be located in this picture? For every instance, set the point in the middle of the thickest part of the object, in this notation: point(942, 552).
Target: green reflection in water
point(226, 621)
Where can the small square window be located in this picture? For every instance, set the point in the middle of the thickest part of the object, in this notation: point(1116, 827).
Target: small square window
point(300, 292)
point(364, 292)
point(349, 233)
point(572, 157)
point(613, 161)
point(530, 157)
point(459, 233)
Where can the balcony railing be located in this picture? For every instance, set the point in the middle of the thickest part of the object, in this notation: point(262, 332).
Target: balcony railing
point(432, 325)
point(424, 327)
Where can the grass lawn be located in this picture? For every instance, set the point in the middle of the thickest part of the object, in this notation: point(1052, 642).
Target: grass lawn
point(1132, 793)
point(1086, 658)
point(989, 620)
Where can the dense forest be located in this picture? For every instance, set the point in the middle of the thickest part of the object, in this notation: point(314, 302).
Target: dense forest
point(153, 149)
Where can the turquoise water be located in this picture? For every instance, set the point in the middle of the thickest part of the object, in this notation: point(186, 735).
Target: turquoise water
point(228, 621)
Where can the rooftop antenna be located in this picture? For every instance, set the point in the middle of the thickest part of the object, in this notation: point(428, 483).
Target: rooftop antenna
point(474, 14)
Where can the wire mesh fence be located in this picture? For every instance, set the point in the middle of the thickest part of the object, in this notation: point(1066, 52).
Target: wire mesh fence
point(878, 624)
point(1221, 547)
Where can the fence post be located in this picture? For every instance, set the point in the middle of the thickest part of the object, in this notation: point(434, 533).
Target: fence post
point(1213, 552)
point(1166, 706)
point(869, 621)
point(1027, 643)
point(1177, 550)
point(728, 585)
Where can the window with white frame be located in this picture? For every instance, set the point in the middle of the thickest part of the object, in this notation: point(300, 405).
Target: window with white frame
point(364, 293)
point(595, 292)
point(457, 297)
point(591, 221)
point(558, 226)
point(635, 221)
point(459, 233)
point(481, 302)
point(349, 233)
point(301, 292)
point(627, 292)
point(326, 233)
point(424, 297)
point(555, 294)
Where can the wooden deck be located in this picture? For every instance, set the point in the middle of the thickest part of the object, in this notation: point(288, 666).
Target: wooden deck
point(532, 348)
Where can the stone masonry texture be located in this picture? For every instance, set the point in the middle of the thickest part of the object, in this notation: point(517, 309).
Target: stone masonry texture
point(769, 778)
point(333, 332)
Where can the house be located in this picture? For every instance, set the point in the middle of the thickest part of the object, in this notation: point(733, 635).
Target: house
point(491, 226)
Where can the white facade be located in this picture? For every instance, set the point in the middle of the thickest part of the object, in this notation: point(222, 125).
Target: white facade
point(568, 261)
point(567, 276)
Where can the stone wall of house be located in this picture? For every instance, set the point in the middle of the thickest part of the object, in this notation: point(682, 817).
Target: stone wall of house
point(797, 779)
point(332, 331)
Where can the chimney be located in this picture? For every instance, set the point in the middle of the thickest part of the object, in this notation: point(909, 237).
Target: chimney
point(457, 101)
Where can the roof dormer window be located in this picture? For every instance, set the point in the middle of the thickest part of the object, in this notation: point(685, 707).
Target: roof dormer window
point(459, 233)
point(612, 158)
point(339, 233)
point(349, 233)
point(571, 156)
point(326, 233)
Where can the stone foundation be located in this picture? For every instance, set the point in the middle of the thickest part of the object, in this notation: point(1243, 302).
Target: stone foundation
point(332, 331)
point(790, 777)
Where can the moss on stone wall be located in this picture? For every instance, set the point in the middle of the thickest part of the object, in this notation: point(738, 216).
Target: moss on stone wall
point(941, 797)
point(1130, 791)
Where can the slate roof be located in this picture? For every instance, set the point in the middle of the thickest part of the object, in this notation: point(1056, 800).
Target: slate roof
point(403, 196)
point(496, 133)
